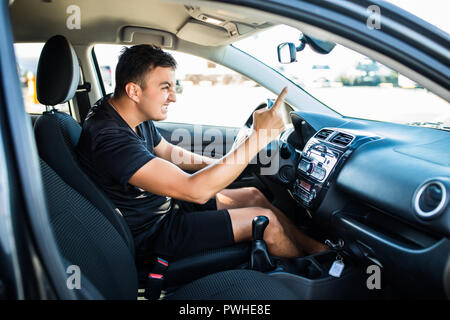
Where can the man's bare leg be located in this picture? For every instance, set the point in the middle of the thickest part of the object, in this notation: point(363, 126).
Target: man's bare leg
point(252, 197)
point(278, 243)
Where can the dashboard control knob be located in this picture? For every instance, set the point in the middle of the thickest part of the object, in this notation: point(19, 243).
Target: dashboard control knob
point(285, 152)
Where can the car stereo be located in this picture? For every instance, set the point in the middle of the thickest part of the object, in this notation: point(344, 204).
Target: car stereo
point(318, 162)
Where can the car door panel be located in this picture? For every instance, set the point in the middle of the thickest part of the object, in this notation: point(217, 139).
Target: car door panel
point(211, 141)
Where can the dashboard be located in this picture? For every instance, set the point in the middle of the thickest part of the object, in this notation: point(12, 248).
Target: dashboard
point(384, 188)
point(320, 159)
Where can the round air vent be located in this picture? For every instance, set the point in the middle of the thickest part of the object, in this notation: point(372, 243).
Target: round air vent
point(430, 199)
point(287, 174)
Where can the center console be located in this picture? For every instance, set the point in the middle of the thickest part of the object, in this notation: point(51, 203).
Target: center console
point(316, 167)
point(319, 161)
point(309, 278)
point(335, 273)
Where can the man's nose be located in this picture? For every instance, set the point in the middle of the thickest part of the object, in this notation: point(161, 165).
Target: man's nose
point(172, 96)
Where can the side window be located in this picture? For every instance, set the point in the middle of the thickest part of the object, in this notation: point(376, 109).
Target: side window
point(27, 56)
point(207, 93)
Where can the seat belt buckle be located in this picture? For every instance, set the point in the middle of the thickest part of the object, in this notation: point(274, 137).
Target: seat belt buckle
point(153, 286)
point(161, 266)
point(155, 279)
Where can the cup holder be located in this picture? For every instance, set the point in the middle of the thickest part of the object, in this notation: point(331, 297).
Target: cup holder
point(310, 267)
point(315, 266)
point(325, 259)
point(305, 268)
point(309, 278)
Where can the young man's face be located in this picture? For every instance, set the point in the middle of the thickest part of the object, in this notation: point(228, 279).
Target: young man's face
point(158, 93)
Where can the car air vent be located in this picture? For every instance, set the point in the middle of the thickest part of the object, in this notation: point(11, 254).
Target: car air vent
point(324, 133)
point(342, 139)
point(430, 199)
point(287, 174)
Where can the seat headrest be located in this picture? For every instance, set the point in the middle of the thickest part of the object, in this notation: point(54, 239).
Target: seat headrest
point(58, 72)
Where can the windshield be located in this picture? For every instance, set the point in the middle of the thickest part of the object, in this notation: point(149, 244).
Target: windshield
point(350, 83)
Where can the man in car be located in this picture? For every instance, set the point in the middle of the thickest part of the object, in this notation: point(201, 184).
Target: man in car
point(170, 212)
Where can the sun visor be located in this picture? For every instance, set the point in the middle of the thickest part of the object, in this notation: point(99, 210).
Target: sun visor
point(204, 34)
point(137, 35)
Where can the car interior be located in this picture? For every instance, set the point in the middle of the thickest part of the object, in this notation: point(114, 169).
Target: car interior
point(377, 193)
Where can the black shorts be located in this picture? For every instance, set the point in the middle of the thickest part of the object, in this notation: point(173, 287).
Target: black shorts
point(191, 228)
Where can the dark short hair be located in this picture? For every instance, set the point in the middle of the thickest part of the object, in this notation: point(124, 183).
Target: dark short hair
point(135, 62)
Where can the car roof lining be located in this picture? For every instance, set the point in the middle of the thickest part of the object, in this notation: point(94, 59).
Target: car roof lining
point(105, 22)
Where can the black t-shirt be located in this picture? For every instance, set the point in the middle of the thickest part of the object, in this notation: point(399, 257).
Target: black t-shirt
point(111, 152)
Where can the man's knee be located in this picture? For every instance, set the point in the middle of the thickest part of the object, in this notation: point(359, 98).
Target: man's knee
point(274, 229)
point(257, 198)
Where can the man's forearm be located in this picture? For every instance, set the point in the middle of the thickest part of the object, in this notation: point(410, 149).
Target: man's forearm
point(188, 160)
point(162, 176)
point(218, 175)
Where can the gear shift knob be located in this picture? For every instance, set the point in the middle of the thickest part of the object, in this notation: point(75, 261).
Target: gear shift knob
point(259, 224)
point(259, 257)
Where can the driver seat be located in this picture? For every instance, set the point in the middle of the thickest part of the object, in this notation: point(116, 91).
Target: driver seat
point(57, 135)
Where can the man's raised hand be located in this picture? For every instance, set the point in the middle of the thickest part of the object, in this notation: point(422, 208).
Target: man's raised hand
point(269, 122)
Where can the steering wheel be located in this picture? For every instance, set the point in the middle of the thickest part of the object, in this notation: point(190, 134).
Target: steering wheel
point(287, 160)
point(247, 127)
point(249, 121)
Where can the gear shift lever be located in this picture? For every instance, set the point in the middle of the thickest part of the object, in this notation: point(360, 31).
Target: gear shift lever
point(259, 258)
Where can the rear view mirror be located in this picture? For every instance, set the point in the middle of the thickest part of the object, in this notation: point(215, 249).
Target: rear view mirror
point(319, 46)
point(287, 52)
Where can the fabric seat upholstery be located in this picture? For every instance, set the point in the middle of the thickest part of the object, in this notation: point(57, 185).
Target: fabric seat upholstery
point(234, 285)
point(87, 239)
point(57, 134)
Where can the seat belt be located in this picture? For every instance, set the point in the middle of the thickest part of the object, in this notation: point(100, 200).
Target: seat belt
point(82, 96)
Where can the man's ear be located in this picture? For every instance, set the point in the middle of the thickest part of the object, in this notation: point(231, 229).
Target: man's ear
point(133, 91)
